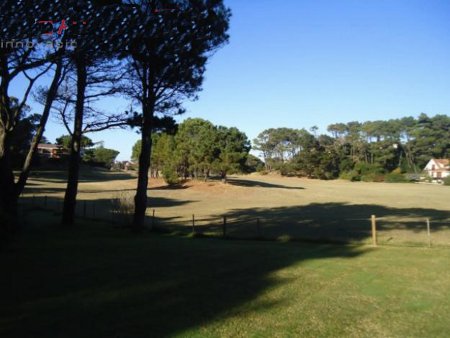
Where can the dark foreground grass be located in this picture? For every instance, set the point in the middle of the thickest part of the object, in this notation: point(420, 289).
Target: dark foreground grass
point(93, 281)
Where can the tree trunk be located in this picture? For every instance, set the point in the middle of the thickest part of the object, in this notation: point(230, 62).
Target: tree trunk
point(140, 199)
point(223, 176)
point(20, 185)
point(8, 204)
point(70, 197)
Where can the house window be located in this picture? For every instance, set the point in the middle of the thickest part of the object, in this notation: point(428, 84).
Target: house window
point(439, 174)
point(433, 167)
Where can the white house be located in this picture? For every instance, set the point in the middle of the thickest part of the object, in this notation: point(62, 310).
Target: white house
point(438, 168)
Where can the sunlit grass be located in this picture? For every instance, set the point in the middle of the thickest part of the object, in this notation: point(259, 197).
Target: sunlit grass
point(94, 281)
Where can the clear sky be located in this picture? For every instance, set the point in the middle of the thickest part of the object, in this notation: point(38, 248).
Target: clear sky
point(303, 63)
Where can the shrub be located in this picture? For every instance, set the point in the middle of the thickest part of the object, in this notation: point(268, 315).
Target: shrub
point(170, 175)
point(350, 175)
point(412, 177)
point(395, 177)
point(364, 172)
point(122, 207)
point(288, 169)
point(372, 177)
point(446, 180)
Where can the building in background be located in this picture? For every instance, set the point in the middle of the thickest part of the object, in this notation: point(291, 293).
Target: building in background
point(438, 168)
point(50, 150)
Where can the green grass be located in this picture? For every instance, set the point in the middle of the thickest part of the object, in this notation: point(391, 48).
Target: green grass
point(96, 281)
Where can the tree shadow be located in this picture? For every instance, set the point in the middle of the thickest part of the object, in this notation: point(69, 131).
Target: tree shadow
point(164, 202)
point(179, 186)
point(116, 210)
point(85, 175)
point(240, 182)
point(333, 221)
point(116, 284)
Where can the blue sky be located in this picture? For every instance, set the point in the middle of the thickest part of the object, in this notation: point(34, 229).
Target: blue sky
point(303, 63)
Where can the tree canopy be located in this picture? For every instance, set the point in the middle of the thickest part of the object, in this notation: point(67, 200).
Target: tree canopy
point(357, 150)
point(198, 149)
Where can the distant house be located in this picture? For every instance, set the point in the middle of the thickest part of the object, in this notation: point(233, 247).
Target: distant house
point(438, 168)
point(50, 150)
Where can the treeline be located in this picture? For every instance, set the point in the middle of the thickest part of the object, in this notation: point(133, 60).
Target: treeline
point(371, 151)
point(199, 149)
point(154, 58)
point(94, 154)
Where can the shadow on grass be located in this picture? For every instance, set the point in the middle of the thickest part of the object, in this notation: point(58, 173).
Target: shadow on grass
point(96, 282)
point(87, 174)
point(253, 183)
point(101, 209)
point(333, 221)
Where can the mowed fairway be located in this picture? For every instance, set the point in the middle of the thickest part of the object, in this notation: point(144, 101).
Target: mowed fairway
point(96, 281)
point(285, 207)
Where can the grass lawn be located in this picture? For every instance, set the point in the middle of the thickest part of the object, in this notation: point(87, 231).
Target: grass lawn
point(96, 281)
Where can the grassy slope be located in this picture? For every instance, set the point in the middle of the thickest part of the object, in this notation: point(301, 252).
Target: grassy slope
point(94, 282)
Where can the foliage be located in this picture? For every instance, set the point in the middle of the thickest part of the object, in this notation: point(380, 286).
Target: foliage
point(199, 149)
point(357, 151)
point(22, 135)
point(279, 145)
point(196, 144)
point(167, 54)
point(253, 164)
point(101, 156)
point(170, 174)
point(369, 172)
point(65, 140)
point(446, 180)
point(395, 177)
point(231, 149)
point(122, 206)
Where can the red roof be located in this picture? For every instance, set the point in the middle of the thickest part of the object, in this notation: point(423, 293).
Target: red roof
point(442, 163)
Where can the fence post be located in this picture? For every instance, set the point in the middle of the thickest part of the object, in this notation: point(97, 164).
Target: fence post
point(374, 230)
point(258, 228)
point(224, 226)
point(45, 201)
point(193, 224)
point(34, 200)
point(153, 220)
point(93, 209)
point(84, 208)
point(428, 232)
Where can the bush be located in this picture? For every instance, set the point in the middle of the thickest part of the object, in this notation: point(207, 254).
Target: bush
point(364, 172)
point(372, 177)
point(288, 169)
point(122, 206)
point(170, 175)
point(395, 177)
point(351, 176)
point(446, 180)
